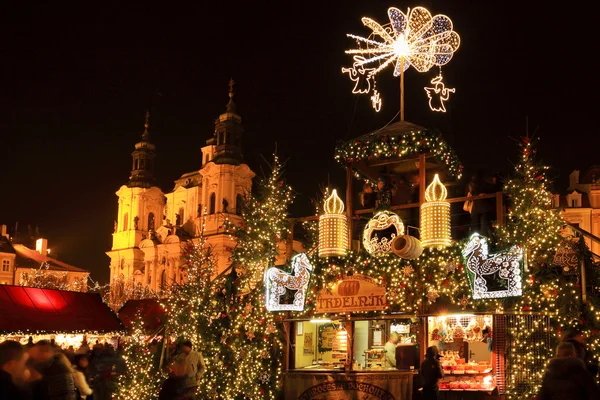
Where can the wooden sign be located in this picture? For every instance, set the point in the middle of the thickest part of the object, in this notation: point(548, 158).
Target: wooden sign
point(354, 293)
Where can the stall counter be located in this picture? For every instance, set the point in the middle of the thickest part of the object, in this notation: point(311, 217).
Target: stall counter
point(384, 384)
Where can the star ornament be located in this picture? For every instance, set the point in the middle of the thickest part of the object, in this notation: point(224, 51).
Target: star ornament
point(415, 39)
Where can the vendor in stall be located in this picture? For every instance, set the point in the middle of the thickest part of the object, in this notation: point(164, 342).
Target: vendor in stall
point(390, 350)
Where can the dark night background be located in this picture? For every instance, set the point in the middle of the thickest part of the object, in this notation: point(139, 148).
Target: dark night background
point(76, 81)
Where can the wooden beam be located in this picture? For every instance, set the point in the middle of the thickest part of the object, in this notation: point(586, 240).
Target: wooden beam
point(422, 178)
point(349, 203)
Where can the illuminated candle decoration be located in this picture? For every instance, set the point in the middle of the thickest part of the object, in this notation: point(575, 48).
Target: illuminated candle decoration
point(438, 94)
point(415, 39)
point(506, 264)
point(333, 228)
point(280, 284)
point(407, 247)
point(381, 231)
point(435, 216)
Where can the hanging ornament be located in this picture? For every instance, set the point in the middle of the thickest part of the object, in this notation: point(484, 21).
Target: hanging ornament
point(435, 216)
point(463, 301)
point(333, 228)
point(360, 75)
point(381, 231)
point(270, 328)
point(451, 266)
point(376, 100)
point(566, 257)
point(224, 338)
point(507, 264)
point(250, 334)
point(248, 308)
point(432, 295)
point(407, 247)
point(407, 271)
point(264, 378)
point(438, 94)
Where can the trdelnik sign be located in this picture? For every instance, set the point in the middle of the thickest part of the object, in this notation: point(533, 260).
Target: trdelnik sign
point(352, 294)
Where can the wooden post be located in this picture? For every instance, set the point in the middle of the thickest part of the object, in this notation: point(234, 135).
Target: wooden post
point(422, 178)
point(287, 326)
point(583, 279)
point(402, 89)
point(290, 241)
point(499, 209)
point(162, 351)
point(349, 203)
point(349, 343)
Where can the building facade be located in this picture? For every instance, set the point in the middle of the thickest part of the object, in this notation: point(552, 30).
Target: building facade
point(23, 266)
point(152, 225)
point(581, 204)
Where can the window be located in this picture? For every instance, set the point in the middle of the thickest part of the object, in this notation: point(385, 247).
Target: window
point(5, 265)
point(238, 204)
point(125, 218)
point(213, 200)
point(573, 203)
point(206, 159)
point(151, 221)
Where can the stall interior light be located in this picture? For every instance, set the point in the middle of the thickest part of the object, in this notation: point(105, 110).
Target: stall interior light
point(320, 320)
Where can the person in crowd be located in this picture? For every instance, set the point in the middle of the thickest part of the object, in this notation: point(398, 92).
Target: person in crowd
point(155, 350)
point(70, 353)
point(576, 338)
point(383, 194)
point(30, 343)
point(84, 348)
point(566, 377)
point(13, 370)
point(57, 381)
point(482, 211)
point(174, 387)
point(367, 196)
point(431, 373)
point(81, 376)
point(195, 366)
point(390, 350)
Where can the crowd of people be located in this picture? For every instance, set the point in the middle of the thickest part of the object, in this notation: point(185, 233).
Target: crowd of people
point(45, 371)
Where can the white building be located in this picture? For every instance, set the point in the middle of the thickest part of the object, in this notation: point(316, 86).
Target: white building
point(152, 225)
point(581, 205)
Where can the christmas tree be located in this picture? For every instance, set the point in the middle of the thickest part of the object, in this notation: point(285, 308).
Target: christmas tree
point(531, 221)
point(256, 335)
point(140, 381)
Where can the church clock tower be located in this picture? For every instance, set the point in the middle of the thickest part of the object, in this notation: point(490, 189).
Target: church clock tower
point(140, 212)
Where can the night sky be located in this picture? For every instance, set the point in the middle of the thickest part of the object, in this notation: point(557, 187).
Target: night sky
point(76, 82)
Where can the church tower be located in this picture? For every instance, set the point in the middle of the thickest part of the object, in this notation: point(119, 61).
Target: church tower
point(140, 213)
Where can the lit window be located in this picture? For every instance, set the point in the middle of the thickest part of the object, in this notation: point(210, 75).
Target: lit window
point(5, 265)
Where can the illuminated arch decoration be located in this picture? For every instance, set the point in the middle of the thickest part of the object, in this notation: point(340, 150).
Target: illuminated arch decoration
point(333, 228)
point(380, 231)
point(415, 39)
point(435, 216)
point(279, 283)
point(506, 265)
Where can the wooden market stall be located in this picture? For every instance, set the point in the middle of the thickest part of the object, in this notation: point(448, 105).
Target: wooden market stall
point(340, 349)
point(67, 317)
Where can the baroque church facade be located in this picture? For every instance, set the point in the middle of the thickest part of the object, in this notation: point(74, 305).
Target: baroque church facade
point(151, 225)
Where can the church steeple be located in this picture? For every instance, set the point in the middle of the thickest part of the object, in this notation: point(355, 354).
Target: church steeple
point(228, 134)
point(142, 170)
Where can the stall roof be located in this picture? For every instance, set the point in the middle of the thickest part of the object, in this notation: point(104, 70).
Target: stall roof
point(395, 148)
point(152, 312)
point(35, 310)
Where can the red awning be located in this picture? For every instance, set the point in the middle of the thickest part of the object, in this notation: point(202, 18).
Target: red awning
point(34, 310)
point(152, 312)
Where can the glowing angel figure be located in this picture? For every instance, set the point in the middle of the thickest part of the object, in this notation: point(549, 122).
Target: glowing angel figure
point(438, 94)
point(360, 75)
point(415, 38)
point(376, 101)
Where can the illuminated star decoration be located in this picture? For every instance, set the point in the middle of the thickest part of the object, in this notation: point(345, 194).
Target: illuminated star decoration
point(413, 39)
point(439, 93)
